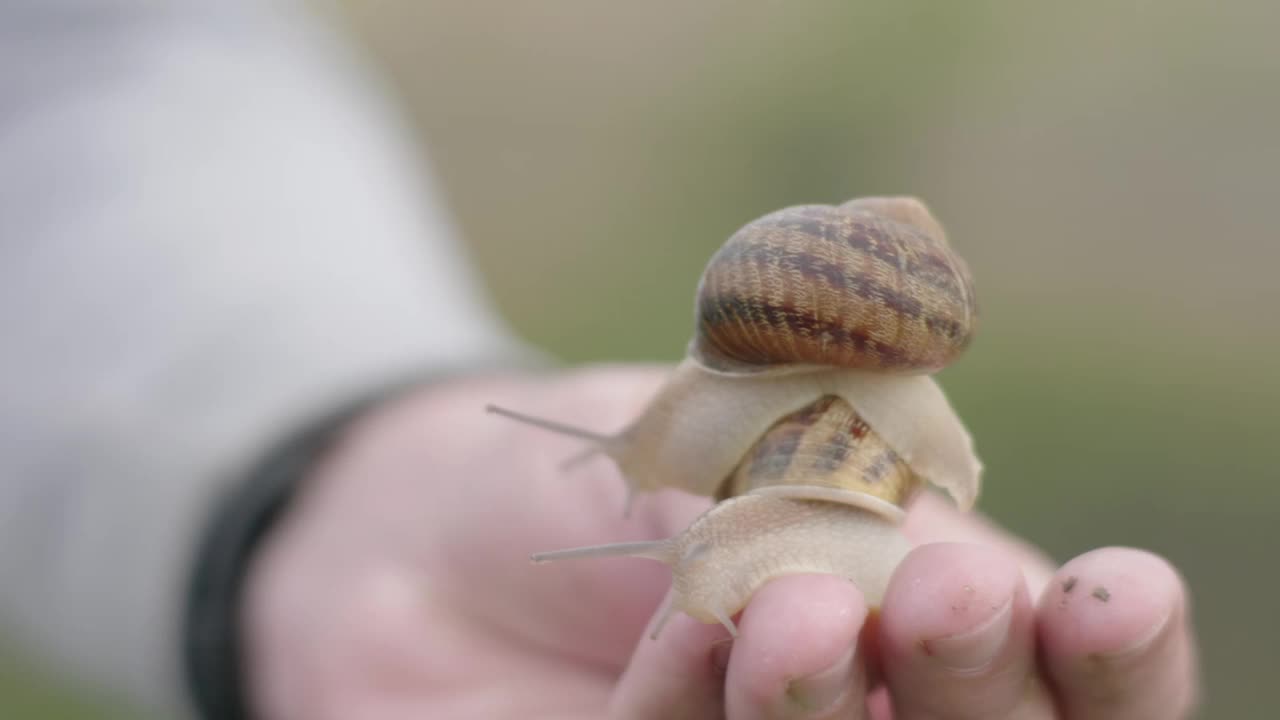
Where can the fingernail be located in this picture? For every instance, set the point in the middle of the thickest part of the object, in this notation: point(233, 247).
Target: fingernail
point(823, 689)
point(1141, 643)
point(975, 649)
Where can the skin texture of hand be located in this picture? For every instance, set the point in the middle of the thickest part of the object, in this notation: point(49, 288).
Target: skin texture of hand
point(399, 587)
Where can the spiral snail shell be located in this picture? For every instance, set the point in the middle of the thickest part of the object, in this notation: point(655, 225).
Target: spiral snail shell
point(804, 406)
point(870, 285)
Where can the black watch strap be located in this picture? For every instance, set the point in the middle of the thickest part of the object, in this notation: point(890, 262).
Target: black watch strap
point(212, 633)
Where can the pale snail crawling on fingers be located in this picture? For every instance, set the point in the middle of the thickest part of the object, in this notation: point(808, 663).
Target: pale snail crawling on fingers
point(804, 406)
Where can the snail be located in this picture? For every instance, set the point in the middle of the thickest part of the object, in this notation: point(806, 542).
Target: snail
point(804, 406)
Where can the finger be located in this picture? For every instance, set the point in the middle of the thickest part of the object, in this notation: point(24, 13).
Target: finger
point(1115, 637)
point(797, 654)
point(932, 519)
point(680, 674)
point(957, 636)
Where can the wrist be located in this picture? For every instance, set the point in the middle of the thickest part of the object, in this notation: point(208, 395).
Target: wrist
point(214, 647)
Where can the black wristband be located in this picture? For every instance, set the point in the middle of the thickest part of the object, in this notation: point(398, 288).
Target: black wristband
point(212, 633)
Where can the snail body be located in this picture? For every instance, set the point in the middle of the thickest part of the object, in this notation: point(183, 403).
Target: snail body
point(804, 406)
point(738, 545)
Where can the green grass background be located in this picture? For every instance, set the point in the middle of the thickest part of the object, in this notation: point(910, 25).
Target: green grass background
point(1109, 170)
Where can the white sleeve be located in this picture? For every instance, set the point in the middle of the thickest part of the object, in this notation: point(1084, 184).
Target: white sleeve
point(210, 227)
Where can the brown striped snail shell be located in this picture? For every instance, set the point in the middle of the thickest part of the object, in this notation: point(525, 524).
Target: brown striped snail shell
point(869, 285)
point(804, 407)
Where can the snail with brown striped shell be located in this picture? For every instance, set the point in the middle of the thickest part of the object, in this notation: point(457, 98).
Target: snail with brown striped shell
point(805, 405)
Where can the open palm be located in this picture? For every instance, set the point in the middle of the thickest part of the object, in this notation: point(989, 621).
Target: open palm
point(399, 586)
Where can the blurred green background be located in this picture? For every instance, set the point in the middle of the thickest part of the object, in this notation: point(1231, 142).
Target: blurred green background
point(1110, 171)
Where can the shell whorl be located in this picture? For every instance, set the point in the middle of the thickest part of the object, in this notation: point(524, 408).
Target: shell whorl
point(868, 285)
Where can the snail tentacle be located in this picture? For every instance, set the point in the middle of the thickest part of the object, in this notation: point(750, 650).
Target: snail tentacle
point(554, 426)
point(659, 550)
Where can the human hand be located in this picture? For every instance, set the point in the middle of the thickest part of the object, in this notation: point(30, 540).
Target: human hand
point(399, 586)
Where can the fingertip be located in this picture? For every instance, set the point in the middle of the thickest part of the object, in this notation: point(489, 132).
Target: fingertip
point(934, 520)
point(956, 633)
point(944, 590)
point(1110, 602)
point(797, 654)
point(820, 615)
point(1115, 637)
